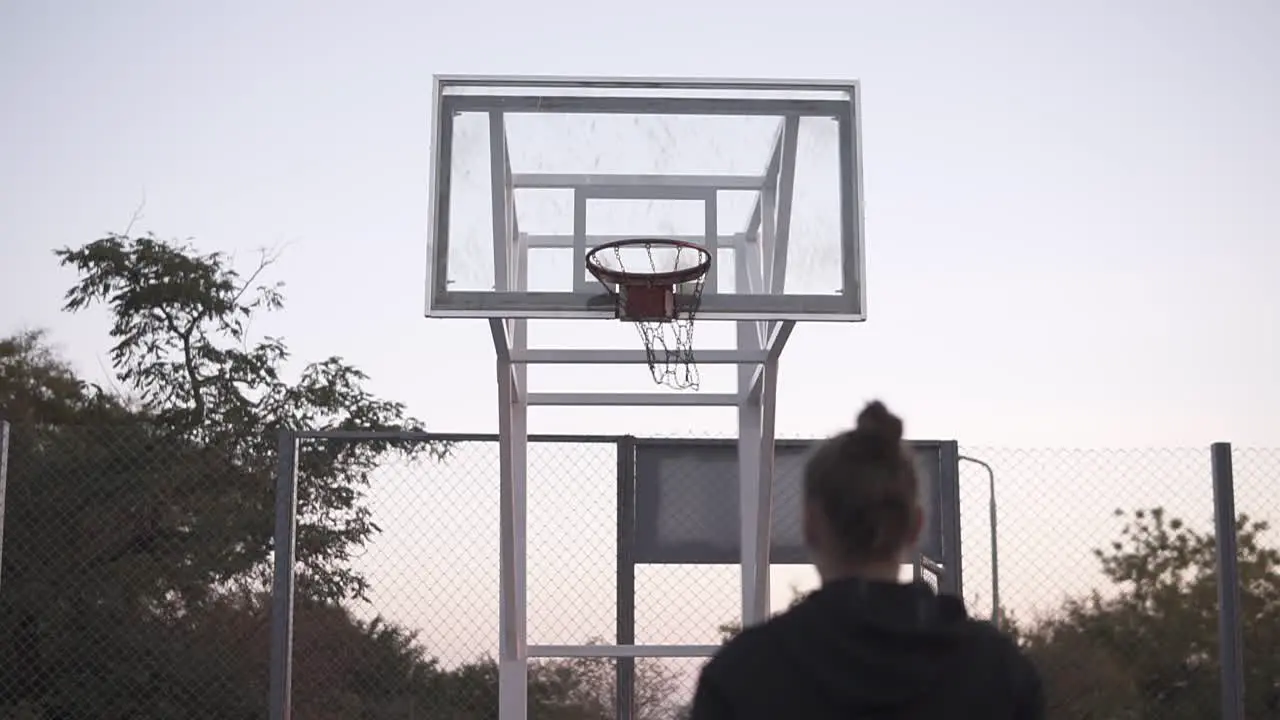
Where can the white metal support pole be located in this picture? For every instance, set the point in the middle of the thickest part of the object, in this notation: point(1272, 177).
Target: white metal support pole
point(515, 699)
point(786, 190)
point(519, 330)
point(755, 462)
point(755, 419)
point(750, 423)
point(764, 501)
point(512, 648)
point(513, 441)
point(748, 502)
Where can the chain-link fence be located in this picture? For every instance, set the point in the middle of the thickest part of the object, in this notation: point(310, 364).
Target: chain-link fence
point(136, 579)
point(1106, 568)
point(132, 577)
point(433, 584)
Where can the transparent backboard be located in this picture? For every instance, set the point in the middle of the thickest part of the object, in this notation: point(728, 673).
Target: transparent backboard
point(530, 173)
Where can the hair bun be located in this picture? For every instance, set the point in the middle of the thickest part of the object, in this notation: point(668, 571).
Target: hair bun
point(877, 422)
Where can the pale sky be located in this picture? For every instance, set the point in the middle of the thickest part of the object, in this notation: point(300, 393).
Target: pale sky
point(1070, 206)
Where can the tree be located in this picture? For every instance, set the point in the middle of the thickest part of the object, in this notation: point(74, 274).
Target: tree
point(38, 386)
point(1151, 650)
point(181, 325)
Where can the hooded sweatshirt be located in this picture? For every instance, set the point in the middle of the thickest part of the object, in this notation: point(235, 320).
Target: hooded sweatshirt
point(861, 649)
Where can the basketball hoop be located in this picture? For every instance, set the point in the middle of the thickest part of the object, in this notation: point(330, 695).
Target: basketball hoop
point(656, 283)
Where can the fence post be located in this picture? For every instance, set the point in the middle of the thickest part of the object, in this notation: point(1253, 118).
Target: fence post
point(4, 482)
point(995, 536)
point(280, 702)
point(626, 666)
point(952, 580)
point(1230, 630)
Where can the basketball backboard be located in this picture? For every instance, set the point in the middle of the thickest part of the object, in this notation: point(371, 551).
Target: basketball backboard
point(528, 174)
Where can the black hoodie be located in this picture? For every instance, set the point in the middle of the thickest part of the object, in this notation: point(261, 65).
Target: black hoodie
point(859, 649)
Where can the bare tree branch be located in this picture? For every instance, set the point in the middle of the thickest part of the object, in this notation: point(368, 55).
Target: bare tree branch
point(137, 215)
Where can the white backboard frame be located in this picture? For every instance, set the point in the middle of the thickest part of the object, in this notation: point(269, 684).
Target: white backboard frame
point(668, 96)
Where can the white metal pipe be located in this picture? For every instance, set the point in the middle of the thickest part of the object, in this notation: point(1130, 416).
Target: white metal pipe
point(621, 651)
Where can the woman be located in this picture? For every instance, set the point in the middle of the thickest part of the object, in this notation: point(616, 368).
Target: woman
point(865, 645)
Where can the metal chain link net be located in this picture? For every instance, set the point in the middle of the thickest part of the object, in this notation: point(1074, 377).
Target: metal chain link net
point(668, 343)
point(136, 576)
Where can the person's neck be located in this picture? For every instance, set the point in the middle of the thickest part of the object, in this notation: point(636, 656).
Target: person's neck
point(875, 572)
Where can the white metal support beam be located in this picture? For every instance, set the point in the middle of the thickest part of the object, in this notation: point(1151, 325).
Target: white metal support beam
point(776, 267)
point(764, 491)
point(750, 418)
point(755, 409)
point(768, 225)
point(565, 181)
point(502, 348)
point(552, 240)
point(711, 241)
point(580, 283)
point(518, 277)
point(779, 333)
point(596, 105)
point(756, 466)
point(513, 440)
point(504, 234)
point(746, 257)
point(761, 223)
point(540, 356)
point(622, 651)
point(498, 191)
point(770, 221)
point(513, 657)
point(501, 342)
point(775, 154)
point(643, 192)
point(634, 399)
point(757, 399)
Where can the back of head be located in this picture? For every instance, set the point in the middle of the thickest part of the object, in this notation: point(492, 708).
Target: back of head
point(863, 483)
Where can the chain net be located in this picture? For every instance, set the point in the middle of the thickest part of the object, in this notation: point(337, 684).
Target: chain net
point(668, 342)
